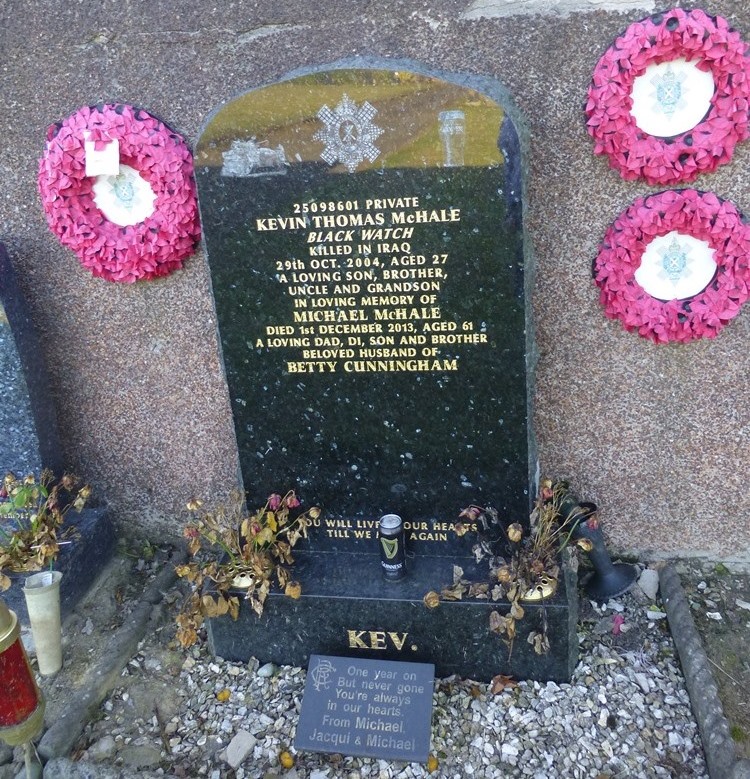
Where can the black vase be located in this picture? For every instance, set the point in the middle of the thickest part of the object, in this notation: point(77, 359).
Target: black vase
point(609, 579)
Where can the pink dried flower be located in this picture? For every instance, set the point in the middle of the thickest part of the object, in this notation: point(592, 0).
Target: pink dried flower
point(291, 501)
point(274, 501)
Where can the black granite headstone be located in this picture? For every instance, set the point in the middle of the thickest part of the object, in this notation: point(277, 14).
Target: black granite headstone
point(27, 417)
point(30, 443)
point(369, 708)
point(364, 235)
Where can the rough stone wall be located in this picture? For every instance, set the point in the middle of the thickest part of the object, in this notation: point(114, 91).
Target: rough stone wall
point(657, 435)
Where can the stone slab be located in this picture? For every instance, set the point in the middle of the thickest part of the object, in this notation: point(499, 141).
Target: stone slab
point(347, 609)
point(369, 708)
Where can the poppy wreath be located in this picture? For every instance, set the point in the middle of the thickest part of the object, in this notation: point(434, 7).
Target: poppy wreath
point(678, 33)
point(154, 246)
point(701, 215)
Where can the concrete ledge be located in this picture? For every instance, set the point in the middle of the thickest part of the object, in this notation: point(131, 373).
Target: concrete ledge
point(718, 744)
point(489, 9)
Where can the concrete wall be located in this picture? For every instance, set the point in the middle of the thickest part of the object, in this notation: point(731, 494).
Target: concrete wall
point(657, 435)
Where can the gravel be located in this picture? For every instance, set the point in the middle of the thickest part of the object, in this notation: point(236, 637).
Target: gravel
point(626, 713)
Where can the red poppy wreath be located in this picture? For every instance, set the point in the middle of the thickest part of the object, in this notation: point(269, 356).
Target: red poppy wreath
point(669, 99)
point(674, 266)
point(137, 224)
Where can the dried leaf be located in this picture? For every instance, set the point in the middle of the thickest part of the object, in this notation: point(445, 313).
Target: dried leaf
point(4, 582)
point(498, 623)
point(460, 529)
point(234, 607)
point(222, 606)
point(539, 641)
point(516, 610)
point(265, 536)
point(187, 636)
point(458, 574)
point(454, 593)
point(501, 682)
point(209, 606)
point(432, 764)
point(431, 600)
point(479, 590)
point(224, 695)
point(497, 592)
point(293, 590)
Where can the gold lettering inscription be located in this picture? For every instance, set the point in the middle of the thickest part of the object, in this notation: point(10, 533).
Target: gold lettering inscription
point(363, 298)
point(376, 640)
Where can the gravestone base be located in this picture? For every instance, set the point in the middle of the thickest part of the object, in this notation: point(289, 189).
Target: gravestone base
point(348, 609)
point(80, 561)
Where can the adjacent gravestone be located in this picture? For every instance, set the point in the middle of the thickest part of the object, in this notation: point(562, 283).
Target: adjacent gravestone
point(27, 417)
point(369, 708)
point(30, 443)
point(365, 243)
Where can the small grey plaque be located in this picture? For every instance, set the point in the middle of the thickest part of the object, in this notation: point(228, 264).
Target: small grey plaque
point(370, 708)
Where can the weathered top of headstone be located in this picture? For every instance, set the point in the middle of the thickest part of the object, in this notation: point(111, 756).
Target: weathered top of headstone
point(364, 240)
point(27, 416)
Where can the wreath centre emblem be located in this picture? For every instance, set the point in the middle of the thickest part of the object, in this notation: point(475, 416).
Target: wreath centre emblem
point(348, 134)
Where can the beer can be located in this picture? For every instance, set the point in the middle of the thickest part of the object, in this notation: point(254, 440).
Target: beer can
point(392, 553)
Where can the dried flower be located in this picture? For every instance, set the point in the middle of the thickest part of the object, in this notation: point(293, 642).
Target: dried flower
point(585, 544)
point(515, 532)
point(36, 513)
point(504, 575)
point(291, 501)
point(592, 523)
point(471, 513)
point(242, 550)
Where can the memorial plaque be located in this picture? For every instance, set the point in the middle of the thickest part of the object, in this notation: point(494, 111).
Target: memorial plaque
point(364, 236)
point(369, 708)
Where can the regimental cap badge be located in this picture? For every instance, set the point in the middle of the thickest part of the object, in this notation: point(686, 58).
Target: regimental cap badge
point(348, 134)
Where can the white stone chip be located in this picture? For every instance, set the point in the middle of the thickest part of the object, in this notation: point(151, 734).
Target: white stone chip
point(649, 583)
point(239, 748)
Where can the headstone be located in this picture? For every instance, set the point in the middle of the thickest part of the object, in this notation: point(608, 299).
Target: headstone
point(364, 236)
point(27, 417)
point(369, 708)
point(30, 443)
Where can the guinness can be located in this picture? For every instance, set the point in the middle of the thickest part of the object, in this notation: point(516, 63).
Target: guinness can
point(392, 553)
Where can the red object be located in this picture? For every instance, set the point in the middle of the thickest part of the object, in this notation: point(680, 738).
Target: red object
point(18, 698)
point(21, 702)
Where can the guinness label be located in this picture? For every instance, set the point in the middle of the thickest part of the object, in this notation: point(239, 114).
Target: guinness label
point(392, 556)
